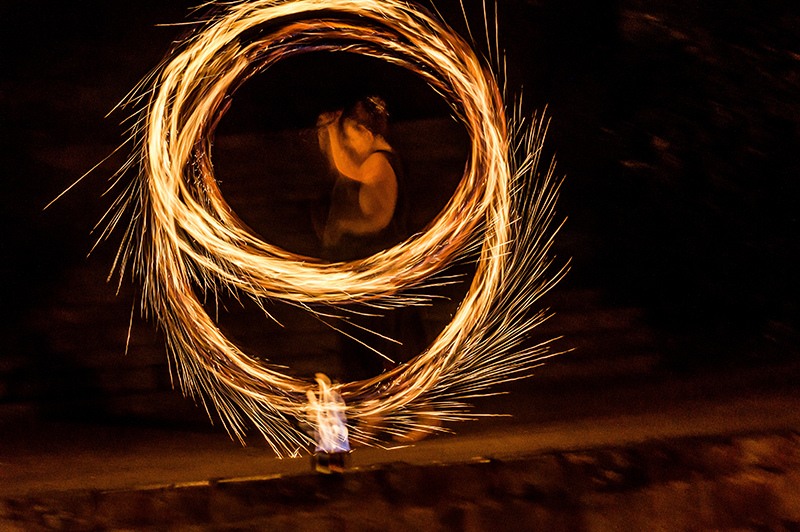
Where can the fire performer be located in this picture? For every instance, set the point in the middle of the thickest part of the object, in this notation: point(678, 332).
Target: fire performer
point(365, 214)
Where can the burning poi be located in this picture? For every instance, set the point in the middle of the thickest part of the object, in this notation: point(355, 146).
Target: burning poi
point(183, 236)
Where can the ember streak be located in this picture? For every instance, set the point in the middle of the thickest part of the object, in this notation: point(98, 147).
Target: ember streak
point(183, 238)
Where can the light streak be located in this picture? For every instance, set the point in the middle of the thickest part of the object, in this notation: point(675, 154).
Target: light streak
point(183, 235)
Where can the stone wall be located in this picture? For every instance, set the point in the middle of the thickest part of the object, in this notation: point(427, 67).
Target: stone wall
point(678, 130)
point(742, 482)
point(88, 354)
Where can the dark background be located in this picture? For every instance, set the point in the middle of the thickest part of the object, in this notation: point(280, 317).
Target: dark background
point(676, 124)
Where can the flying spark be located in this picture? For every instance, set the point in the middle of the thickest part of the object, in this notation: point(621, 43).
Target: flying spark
point(183, 236)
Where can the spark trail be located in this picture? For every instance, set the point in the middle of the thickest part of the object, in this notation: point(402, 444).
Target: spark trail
point(183, 237)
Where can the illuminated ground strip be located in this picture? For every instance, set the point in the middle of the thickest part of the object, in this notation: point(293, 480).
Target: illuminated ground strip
point(184, 237)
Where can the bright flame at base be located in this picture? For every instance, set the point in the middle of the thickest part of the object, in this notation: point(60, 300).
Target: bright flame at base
point(326, 414)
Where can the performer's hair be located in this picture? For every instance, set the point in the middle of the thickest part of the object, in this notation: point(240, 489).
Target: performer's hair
point(371, 113)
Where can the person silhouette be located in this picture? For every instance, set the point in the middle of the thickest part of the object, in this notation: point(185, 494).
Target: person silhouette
point(363, 215)
point(367, 213)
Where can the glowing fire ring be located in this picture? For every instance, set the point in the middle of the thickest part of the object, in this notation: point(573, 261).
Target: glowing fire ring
point(190, 237)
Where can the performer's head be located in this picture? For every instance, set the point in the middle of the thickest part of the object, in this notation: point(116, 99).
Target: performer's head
point(369, 113)
point(361, 127)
